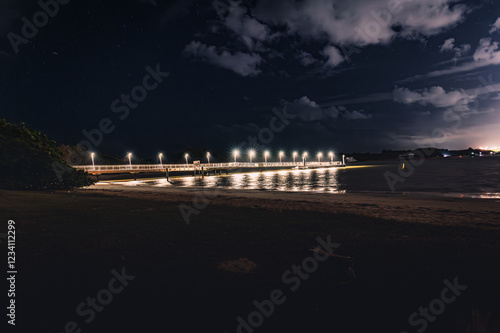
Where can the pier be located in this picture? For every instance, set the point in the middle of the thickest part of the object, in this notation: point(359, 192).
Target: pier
point(201, 168)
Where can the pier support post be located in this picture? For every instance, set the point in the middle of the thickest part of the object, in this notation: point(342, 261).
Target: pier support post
point(166, 173)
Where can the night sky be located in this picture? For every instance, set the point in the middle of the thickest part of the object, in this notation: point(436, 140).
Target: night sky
point(353, 75)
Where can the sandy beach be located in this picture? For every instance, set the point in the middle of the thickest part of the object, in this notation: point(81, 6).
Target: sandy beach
point(407, 207)
point(397, 243)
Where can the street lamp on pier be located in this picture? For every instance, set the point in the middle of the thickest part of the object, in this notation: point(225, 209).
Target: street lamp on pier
point(251, 154)
point(236, 153)
point(129, 155)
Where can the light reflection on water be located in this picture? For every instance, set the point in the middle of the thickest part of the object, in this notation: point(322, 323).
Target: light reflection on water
point(320, 180)
point(287, 180)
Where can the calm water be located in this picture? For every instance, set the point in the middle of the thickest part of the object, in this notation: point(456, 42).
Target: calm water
point(471, 177)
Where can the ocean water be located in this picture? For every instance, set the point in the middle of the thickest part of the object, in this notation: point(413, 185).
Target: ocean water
point(470, 177)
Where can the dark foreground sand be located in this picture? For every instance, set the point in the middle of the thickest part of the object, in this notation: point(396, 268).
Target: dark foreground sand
point(405, 207)
point(69, 242)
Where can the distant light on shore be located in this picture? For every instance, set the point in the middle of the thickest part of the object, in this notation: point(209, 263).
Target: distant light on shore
point(495, 149)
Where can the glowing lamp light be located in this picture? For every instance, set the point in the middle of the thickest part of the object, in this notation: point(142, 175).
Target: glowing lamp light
point(281, 155)
point(186, 157)
point(266, 155)
point(92, 157)
point(208, 157)
point(236, 153)
point(129, 155)
point(160, 155)
point(251, 153)
point(294, 156)
point(320, 155)
point(331, 156)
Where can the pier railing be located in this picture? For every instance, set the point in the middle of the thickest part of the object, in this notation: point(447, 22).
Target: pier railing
point(135, 168)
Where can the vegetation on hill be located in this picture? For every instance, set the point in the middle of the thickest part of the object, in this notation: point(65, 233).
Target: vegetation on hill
point(32, 161)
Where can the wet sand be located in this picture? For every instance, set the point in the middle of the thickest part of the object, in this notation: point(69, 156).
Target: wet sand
point(418, 208)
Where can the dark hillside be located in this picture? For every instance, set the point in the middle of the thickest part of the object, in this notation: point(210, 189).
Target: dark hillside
point(29, 160)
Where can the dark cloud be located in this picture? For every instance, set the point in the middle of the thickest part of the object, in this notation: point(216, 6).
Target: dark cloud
point(306, 58)
point(310, 111)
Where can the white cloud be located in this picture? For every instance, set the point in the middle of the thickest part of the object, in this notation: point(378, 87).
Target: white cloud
point(487, 51)
point(448, 45)
point(241, 63)
point(495, 27)
point(361, 22)
point(436, 96)
point(334, 56)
